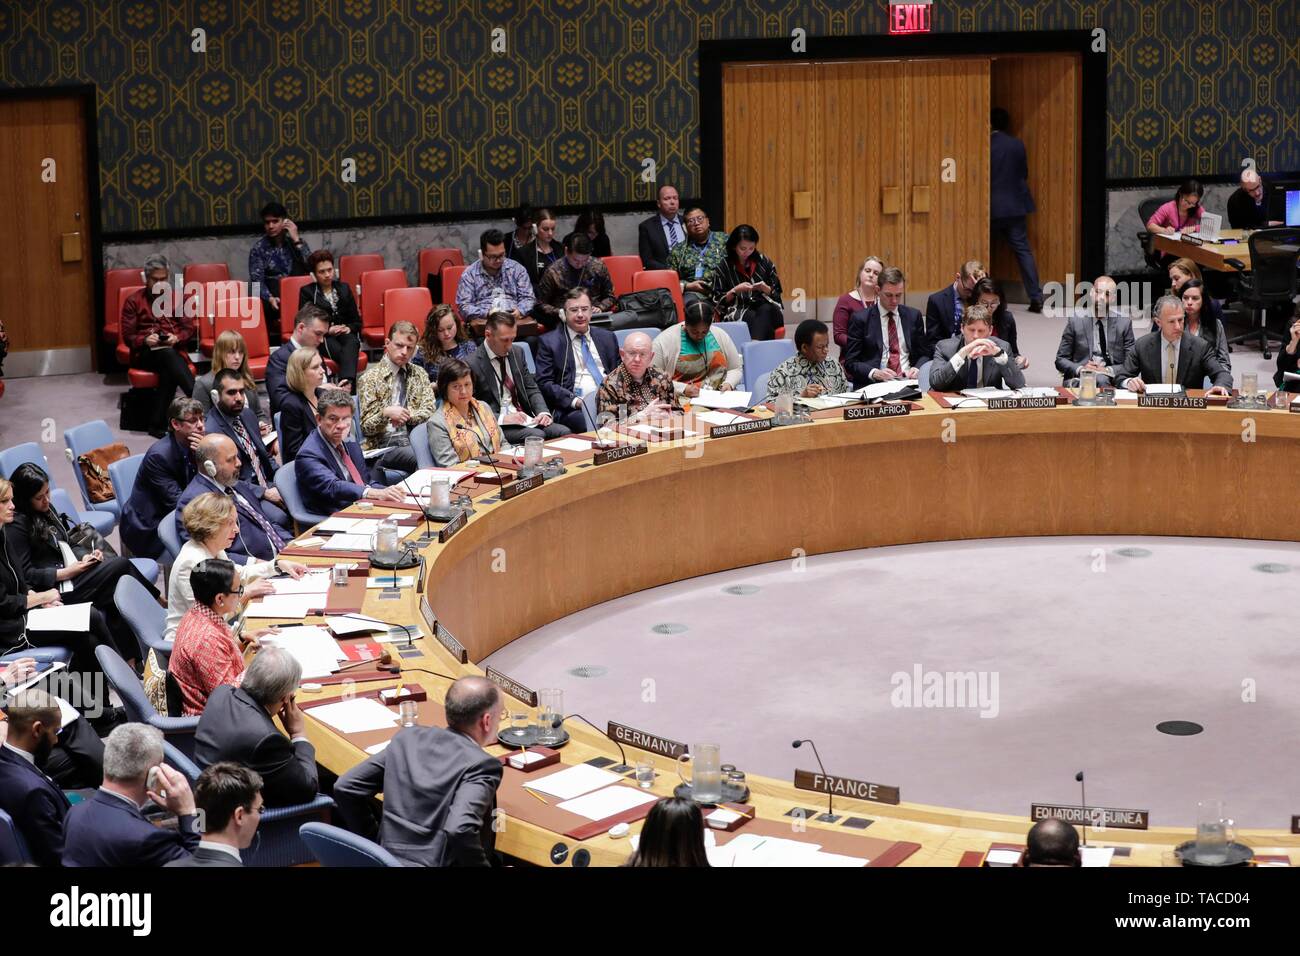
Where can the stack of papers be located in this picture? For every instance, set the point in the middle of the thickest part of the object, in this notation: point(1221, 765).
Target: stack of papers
point(313, 582)
point(711, 398)
point(313, 648)
point(1029, 392)
point(285, 605)
point(61, 617)
point(608, 801)
point(356, 716)
point(569, 444)
point(349, 542)
point(573, 781)
point(753, 850)
point(660, 429)
point(355, 624)
point(720, 418)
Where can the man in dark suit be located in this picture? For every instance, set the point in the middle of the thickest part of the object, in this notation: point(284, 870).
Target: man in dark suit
point(236, 725)
point(502, 381)
point(1010, 201)
point(1252, 206)
point(1052, 843)
point(885, 341)
point(1169, 357)
point(230, 416)
point(264, 527)
point(35, 802)
point(230, 798)
point(332, 470)
point(657, 234)
point(109, 830)
point(167, 468)
point(943, 309)
point(439, 786)
point(1096, 339)
point(311, 325)
point(572, 359)
point(974, 359)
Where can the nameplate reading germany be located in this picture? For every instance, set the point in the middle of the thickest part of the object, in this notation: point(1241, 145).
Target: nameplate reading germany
point(519, 487)
point(858, 412)
point(1091, 816)
point(643, 741)
point(996, 404)
point(844, 787)
point(1170, 401)
point(512, 687)
point(619, 453)
point(452, 526)
point(741, 428)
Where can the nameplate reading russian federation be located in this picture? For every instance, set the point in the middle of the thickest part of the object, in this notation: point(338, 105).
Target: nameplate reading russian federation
point(619, 453)
point(741, 428)
point(519, 487)
point(889, 410)
point(845, 787)
point(1170, 401)
point(1091, 816)
point(997, 404)
point(452, 526)
point(643, 741)
point(512, 687)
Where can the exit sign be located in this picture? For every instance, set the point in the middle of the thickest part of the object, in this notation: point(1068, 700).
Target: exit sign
point(909, 17)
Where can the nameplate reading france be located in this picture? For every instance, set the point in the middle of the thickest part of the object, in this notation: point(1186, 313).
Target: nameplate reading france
point(1002, 404)
point(1170, 401)
point(1091, 816)
point(845, 787)
point(452, 526)
point(858, 412)
point(643, 741)
point(619, 453)
point(741, 428)
point(519, 487)
point(512, 687)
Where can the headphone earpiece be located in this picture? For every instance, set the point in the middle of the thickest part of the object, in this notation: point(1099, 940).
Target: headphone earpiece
point(216, 397)
point(210, 468)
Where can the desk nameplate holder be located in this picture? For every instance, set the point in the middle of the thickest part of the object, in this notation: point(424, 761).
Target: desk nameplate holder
point(1171, 401)
point(444, 637)
point(741, 428)
point(619, 453)
point(1005, 404)
point(1096, 817)
point(517, 488)
point(856, 413)
point(446, 532)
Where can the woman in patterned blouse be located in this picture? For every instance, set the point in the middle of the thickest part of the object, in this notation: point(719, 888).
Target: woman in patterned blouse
point(463, 427)
point(746, 287)
point(206, 653)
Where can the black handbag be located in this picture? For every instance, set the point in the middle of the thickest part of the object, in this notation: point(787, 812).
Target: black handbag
point(83, 539)
point(654, 308)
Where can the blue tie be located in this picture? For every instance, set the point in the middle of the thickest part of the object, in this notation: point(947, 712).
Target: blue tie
point(672, 233)
point(590, 361)
point(972, 373)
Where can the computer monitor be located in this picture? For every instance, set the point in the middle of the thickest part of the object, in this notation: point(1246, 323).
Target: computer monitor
point(1293, 207)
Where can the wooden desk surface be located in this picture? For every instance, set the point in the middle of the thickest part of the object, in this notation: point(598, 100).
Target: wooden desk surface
point(1056, 471)
point(1212, 254)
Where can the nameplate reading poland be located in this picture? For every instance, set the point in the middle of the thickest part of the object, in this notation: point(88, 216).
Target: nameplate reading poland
point(844, 787)
point(619, 453)
point(643, 741)
point(1091, 816)
point(887, 410)
point(512, 687)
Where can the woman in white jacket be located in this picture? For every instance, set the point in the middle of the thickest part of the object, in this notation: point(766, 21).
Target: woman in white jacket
point(695, 355)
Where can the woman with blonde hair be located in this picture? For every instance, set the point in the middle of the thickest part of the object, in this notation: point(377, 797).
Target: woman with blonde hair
point(304, 375)
point(866, 288)
point(230, 351)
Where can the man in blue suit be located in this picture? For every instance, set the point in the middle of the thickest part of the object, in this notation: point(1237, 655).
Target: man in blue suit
point(109, 829)
point(311, 325)
point(35, 802)
point(264, 527)
point(886, 341)
point(332, 471)
point(167, 468)
point(573, 359)
point(1010, 201)
point(230, 416)
point(943, 309)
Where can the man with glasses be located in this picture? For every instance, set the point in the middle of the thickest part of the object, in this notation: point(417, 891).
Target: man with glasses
point(206, 653)
point(1250, 205)
point(229, 801)
point(695, 259)
point(278, 253)
point(168, 467)
point(573, 360)
point(636, 390)
point(494, 283)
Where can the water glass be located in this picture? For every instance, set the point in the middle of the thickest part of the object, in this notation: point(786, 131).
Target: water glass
point(1249, 385)
point(408, 713)
point(550, 709)
point(645, 773)
point(1088, 384)
point(339, 576)
point(1211, 832)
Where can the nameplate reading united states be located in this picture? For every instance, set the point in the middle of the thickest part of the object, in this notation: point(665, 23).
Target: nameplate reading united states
point(1170, 401)
point(643, 741)
point(512, 687)
point(452, 526)
point(845, 787)
point(857, 412)
point(519, 487)
point(741, 428)
point(998, 404)
point(1091, 816)
point(619, 453)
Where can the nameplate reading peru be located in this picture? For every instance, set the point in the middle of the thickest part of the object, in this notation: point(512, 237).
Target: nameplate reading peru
point(520, 486)
point(1091, 816)
point(619, 453)
point(1001, 404)
point(741, 428)
point(845, 787)
point(1170, 401)
point(858, 412)
point(512, 687)
point(643, 741)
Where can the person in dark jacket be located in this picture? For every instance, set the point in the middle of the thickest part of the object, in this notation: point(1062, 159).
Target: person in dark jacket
point(34, 801)
point(305, 376)
point(167, 468)
point(537, 255)
point(342, 342)
point(230, 798)
point(746, 287)
point(1010, 201)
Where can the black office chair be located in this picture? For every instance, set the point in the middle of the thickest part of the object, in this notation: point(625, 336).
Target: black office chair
point(1271, 282)
point(1146, 209)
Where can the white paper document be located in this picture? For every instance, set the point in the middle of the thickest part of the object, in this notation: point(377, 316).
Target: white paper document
point(336, 524)
point(607, 801)
point(313, 582)
point(573, 781)
point(270, 436)
point(285, 605)
point(1097, 855)
point(349, 542)
point(712, 398)
point(754, 850)
point(659, 430)
point(62, 617)
point(954, 402)
point(720, 418)
point(1157, 388)
point(36, 679)
point(1002, 857)
point(312, 647)
point(355, 716)
point(386, 581)
point(1124, 395)
point(569, 444)
point(355, 624)
point(67, 711)
point(373, 453)
point(377, 748)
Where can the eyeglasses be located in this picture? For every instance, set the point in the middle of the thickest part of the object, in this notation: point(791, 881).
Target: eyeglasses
point(692, 220)
point(237, 593)
point(637, 353)
point(496, 258)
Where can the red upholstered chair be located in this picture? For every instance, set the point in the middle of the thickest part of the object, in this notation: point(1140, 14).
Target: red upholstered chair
point(432, 261)
point(333, 366)
point(450, 280)
point(352, 268)
point(209, 299)
point(621, 271)
point(290, 287)
point(373, 286)
point(245, 316)
point(203, 275)
point(115, 279)
point(661, 279)
point(411, 305)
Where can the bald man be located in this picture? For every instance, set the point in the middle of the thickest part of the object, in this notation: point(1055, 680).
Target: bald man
point(1249, 207)
point(439, 786)
point(264, 526)
point(1096, 338)
point(636, 389)
point(1052, 843)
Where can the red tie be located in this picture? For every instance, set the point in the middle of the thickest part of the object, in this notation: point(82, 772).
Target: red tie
point(895, 365)
point(351, 465)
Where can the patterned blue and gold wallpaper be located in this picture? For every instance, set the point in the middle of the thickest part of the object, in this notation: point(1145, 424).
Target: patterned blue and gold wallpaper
point(437, 118)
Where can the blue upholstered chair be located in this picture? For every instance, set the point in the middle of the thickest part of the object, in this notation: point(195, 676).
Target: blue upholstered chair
point(762, 357)
point(179, 730)
point(11, 458)
point(81, 439)
point(286, 479)
point(333, 846)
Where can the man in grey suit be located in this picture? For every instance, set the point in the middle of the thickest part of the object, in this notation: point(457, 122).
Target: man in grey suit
point(502, 381)
point(974, 359)
point(229, 801)
point(1097, 339)
point(439, 786)
point(1168, 356)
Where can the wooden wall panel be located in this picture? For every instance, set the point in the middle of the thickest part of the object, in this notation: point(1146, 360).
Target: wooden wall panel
point(1042, 94)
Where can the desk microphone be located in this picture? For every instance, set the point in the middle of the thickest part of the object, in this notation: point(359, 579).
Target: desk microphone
point(1083, 800)
point(622, 768)
point(830, 797)
point(486, 457)
point(399, 669)
point(428, 535)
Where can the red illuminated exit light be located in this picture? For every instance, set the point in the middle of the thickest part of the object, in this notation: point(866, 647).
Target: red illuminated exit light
point(909, 18)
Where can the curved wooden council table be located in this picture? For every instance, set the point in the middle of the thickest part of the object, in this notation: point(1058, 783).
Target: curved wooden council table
point(597, 533)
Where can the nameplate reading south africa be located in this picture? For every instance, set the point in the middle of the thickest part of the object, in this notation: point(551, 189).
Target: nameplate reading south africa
point(1091, 816)
point(845, 787)
point(643, 741)
point(858, 412)
point(452, 526)
point(1002, 404)
point(519, 487)
point(619, 453)
point(1170, 401)
point(741, 428)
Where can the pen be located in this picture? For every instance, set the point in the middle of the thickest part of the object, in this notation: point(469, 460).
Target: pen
point(537, 795)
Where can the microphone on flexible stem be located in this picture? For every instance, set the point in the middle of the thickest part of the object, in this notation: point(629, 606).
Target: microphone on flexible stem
point(1083, 800)
point(624, 767)
point(829, 816)
point(486, 457)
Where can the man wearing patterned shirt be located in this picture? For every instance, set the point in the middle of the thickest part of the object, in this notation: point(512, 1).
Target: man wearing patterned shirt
point(395, 397)
point(810, 373)
point(494, 283)
point(206, 653)
point(695, 259)
point(277, 254)
point(636, 389)
point(577, 269)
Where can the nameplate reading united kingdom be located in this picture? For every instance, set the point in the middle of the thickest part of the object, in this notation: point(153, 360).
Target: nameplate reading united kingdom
point(519, 487)
point(1045, 401)
point(1091, 816)
point(452, 526)
point(619, 453)
point(512, 687)
point(845, 787)
point(1170, 401)
point(889, 410)
point(643, 741)
point(741, 428)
